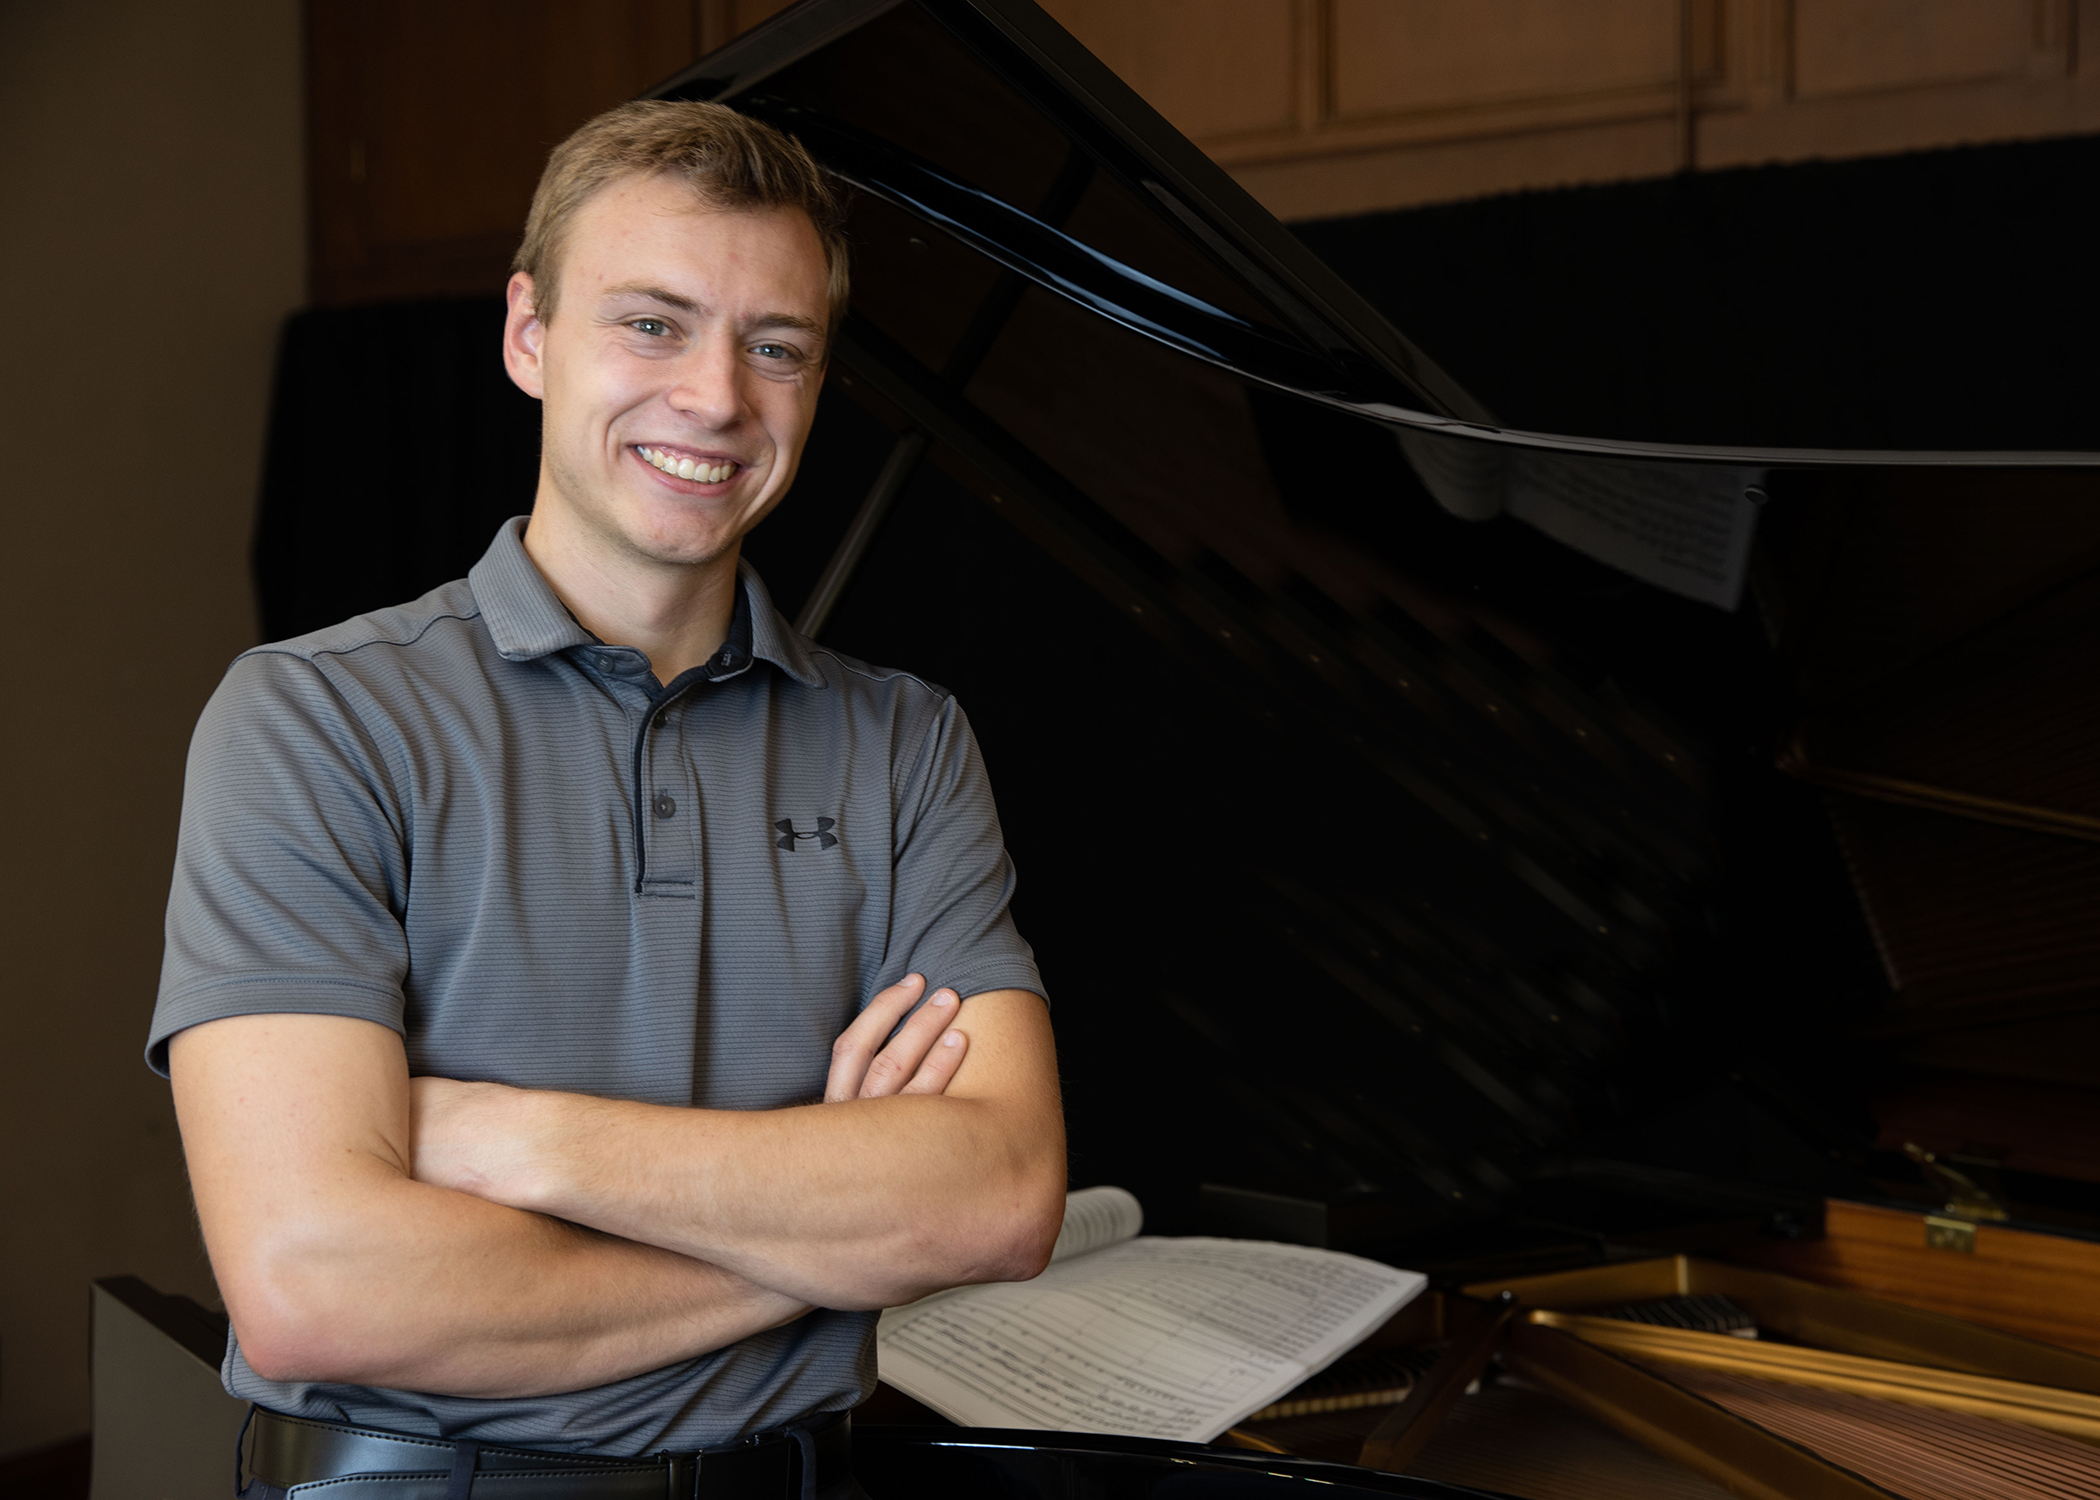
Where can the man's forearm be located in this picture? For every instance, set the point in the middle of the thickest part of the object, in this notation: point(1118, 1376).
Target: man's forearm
point(867, 1204)
point(864, 1203)
point(426, 1289)
point(338, 1266)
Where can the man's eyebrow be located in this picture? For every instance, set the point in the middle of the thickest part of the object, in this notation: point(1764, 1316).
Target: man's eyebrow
point(652, 293)
point(791, 320)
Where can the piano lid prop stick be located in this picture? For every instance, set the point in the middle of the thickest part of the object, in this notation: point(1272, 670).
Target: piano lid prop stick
point(889, 484)
point(976, 342)
point(1395, 1442)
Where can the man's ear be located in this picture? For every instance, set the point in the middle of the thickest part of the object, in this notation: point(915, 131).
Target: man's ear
point(523, 334)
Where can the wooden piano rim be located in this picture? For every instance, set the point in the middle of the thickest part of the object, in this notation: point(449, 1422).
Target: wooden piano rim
point(2072, 1413)
point(1821, 1317)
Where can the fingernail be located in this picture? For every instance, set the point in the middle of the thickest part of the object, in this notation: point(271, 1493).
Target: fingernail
point(943, 999)
point(952, 1039)
point(913, 979)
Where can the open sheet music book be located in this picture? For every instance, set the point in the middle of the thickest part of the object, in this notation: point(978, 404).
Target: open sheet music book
point(1164, 1338)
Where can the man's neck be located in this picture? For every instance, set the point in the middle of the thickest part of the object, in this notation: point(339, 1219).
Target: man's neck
point(676, 614)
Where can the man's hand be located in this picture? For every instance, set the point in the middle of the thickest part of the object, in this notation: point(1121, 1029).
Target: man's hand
point(920, 1059)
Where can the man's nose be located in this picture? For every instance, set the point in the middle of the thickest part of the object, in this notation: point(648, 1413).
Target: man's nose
point(709, 387)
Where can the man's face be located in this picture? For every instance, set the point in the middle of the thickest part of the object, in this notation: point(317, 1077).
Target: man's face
point(679, 373)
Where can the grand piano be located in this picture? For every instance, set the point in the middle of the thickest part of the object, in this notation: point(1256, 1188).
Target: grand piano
point(1598, 872)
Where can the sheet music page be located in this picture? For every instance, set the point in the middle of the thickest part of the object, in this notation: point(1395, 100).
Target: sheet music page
point(1682, 527)
point(1165, 1338)
point(1096, 1217)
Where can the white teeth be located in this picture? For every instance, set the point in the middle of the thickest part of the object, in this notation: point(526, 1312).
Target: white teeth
point(686, 468)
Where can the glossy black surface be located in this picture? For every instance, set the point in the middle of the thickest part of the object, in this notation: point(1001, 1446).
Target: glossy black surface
point(999, 100)
point(1073, 269)
point(894, 1463)
point(959, 113)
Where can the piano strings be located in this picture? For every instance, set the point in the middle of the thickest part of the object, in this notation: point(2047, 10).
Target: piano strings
point(1921, 1453)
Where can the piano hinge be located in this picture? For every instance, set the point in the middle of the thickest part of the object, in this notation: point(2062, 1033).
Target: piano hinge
point(1943, 1233)
point(1967, 1205)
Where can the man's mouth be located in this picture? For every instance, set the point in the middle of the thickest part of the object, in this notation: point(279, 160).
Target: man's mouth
point(699, 470)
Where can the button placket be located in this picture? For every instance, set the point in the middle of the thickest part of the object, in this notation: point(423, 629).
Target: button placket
point(673, 801)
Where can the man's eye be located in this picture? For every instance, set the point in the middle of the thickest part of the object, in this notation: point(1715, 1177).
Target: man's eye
point(654, 327)
point(773, 351)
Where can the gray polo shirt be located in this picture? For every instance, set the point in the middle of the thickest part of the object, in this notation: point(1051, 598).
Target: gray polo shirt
point(469, 820)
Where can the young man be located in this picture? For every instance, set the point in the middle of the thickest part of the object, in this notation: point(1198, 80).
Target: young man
point(517, 932)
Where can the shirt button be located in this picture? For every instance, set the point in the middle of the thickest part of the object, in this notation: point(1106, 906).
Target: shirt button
point(607, 664)
point(664, 805)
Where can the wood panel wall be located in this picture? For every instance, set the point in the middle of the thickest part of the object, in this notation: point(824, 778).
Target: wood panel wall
point(1328, 107)
point(429, 119)
point(428, 122)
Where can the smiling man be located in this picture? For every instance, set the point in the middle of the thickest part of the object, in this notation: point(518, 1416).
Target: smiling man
point(538, 950)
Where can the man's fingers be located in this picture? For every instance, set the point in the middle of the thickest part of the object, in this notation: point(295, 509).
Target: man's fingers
point(938, 1070)
point(899, 1062)
point(857, 1044)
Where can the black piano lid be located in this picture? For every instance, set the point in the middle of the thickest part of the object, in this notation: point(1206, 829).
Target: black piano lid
point(966, 137)
point(1479, 806)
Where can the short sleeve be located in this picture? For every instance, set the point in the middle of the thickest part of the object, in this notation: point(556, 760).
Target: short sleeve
point(291, 867)
point(950, 919)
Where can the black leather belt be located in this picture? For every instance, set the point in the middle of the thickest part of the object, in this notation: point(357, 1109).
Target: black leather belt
point(313, 1460)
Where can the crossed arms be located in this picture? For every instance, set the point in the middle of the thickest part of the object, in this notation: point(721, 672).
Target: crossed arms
point(478, 1240)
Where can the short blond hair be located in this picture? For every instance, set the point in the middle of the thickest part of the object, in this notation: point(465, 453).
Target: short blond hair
point(729, 161)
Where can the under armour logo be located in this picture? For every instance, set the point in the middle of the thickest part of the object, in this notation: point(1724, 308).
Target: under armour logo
point(822, 833)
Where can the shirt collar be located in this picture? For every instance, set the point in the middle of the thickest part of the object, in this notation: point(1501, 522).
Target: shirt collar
point(772, 638)
point(527, 621)
point(519, 607)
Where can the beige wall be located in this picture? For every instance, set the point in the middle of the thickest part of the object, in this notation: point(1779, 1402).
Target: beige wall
point(150, 165)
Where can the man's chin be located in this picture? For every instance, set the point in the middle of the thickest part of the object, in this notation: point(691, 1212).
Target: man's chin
point(674, 542)
point(669, 552)
point(683, 538)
